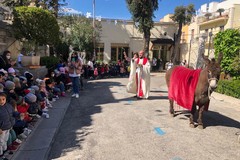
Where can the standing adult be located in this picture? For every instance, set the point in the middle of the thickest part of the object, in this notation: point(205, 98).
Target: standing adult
point(5, 60)
point(20, 55)
point(75, 67)
point(139, 78)
point(90, 69)
point(169, 64)
point(154, 64)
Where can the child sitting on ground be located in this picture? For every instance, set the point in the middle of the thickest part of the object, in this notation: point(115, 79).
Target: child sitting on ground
point(6, 120)
point(11, 73)
point(22, 108)
point(34, 109)
point(29, 77)
point(50, 91)
point(20, 126)
point(10, 91)
point(58, 85)
point(43, 92)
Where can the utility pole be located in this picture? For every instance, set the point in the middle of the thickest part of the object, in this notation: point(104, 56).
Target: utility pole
point(209, 42)
point(189, 54)
point(94, 39)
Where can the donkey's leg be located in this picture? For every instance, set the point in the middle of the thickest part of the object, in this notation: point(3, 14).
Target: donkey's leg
point(192, 115)
point(171, 110)
point(200, 115)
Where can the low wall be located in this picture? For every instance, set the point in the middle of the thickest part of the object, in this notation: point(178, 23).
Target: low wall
point(38, 72)
point(30, 60)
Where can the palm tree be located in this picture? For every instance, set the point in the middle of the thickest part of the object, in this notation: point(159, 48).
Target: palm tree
point(220, 11)
point(207, 15)
point(182, 15)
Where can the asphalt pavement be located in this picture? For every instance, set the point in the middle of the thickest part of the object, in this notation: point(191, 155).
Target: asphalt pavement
point(38, 146)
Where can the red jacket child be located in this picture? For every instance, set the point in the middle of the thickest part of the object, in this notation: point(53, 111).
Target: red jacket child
point(23, 108)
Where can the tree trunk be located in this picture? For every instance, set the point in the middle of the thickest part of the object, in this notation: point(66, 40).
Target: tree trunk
point(177, 44)
point(146, 42)
point(55, 7)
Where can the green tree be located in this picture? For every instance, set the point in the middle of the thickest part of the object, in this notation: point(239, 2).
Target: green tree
point(15, 3)
point(53, 5)
point(182, 16)
point(35, 25)
point(78, 32)
point(228, 42)
point(143, 13)
point(62, 49)
point(45, 4)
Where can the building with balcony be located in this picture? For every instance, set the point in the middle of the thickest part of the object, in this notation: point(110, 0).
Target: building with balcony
point(215, 17)
point(209, 20)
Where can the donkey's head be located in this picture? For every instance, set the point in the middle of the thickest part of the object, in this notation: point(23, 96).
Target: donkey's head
point(213, 68)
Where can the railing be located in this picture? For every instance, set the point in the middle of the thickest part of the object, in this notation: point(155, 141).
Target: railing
point(212, 16)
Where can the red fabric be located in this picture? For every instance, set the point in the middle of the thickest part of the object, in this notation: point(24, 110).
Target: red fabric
point(102, 70)
point(26, 91)
point(140, 94)
point(182, 86)
point(137, 81)
point(144, 60)
point(23, 109)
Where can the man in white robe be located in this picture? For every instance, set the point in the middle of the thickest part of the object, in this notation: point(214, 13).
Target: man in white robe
point(139, 78)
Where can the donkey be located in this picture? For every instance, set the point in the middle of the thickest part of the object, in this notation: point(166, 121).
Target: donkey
point(205, 84)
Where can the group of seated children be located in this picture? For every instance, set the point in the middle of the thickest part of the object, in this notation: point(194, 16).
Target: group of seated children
point(22, 101)
point(100, 71)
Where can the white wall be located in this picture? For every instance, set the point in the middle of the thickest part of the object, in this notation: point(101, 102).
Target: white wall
point(125, 33)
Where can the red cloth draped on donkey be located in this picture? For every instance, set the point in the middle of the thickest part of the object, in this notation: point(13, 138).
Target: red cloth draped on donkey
point(183, 83)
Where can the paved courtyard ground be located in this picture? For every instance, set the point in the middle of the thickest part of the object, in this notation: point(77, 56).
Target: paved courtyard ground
point(107, 123)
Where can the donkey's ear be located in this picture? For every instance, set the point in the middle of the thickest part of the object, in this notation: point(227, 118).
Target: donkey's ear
point(220, 57)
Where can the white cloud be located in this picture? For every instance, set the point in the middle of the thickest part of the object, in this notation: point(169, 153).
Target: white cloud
point(70, 10)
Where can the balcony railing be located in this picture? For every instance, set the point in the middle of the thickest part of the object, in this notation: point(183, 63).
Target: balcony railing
point(212, 16)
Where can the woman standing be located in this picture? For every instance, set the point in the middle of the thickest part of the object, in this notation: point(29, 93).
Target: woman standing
point(75, 67)
point(5, 60)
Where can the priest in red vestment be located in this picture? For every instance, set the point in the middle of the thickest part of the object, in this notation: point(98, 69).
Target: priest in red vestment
point(139, 78)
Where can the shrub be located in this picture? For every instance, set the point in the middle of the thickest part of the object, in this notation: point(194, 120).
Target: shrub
point(229, 87)
point(228, 42)
point(49, 61)
point(35, 25)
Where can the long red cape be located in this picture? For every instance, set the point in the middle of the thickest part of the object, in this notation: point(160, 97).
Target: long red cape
point(183, 83)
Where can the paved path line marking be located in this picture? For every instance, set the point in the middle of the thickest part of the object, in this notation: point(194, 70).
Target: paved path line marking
point(130, 102)
point(177, 158)
point(159, 131)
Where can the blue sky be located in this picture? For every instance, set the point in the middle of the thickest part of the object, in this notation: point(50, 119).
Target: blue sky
point(117, 9)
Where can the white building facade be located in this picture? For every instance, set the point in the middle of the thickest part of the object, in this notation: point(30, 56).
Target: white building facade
point(118, 36)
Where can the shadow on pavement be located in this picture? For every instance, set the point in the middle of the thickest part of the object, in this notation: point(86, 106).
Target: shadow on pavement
point(159, 91)
point(78, 118)
point(157, 97)
point(211, 118)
